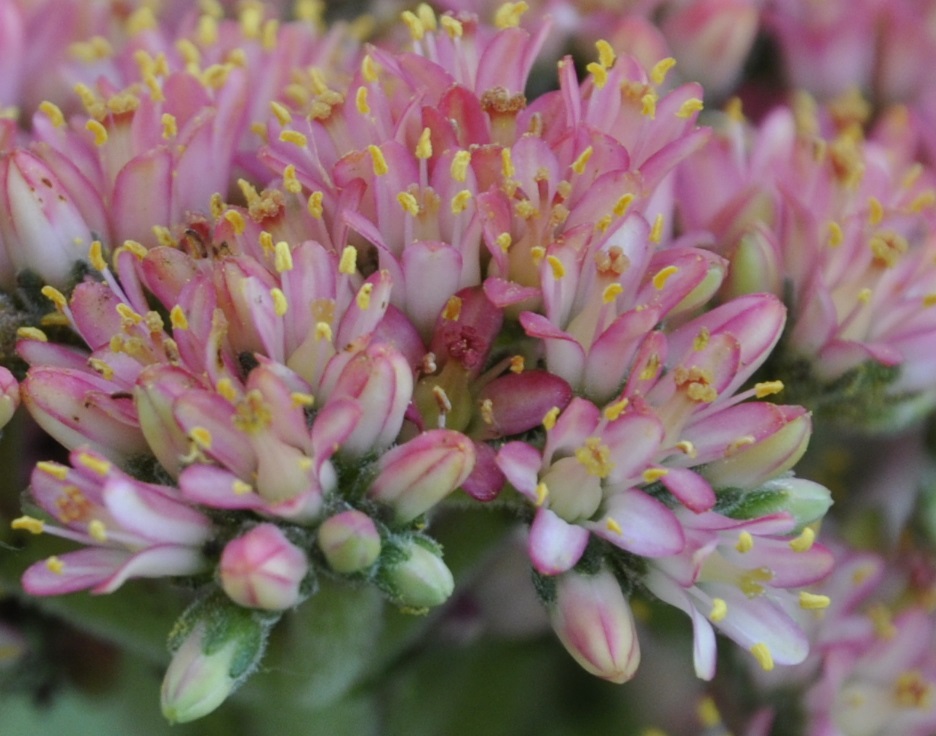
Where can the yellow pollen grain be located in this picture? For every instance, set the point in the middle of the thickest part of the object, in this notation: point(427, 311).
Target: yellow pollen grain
point(578, 166)
point(508, 15)
point(348, 263)
point(542, 493)
point(416, 28)
point(409, 203)
point(595, 457)
point(708, 713)
point(55, 296)
point(652, 475)
point(662, 276)
point(656, 234)
point(702, 339)
point(424, 145)
point(549, 420)
point(94, 464)
point(804, 542)
point(55, 565)
point(812, 601)
point(323, 331)
point(648, 104)
point(661, 69)
point(378, 160)
point(237, 221)
point(745, 542)
point(31, 333)
point(517, 364)
point(177, 318)
point(56, 470)
point(29, 524)
point(606, 55)
point(486, 410)
point(767, 388)
point(315, 206)
point(611, 292)
point(98, 530)
point(53, 113)
point(360, 101)
point(369, 69)
point(280, 303)
point(613, 411)
point(170, 128)
point(612, 525)
point(363, 298)
point(281, 113)
point(599, 73)
point(623, 204)
point(452, 26)
point(240, 488)
point(558, 270)
point(427, 16)
point(302, 400)
point(98, 131)
point(294, 137)
point(282, 257)
point(875, 211)
point(265, 240)
point(763, 656)
point(504, 241)
point(290, 182)
point(719, 610)
point(189, 52)
point(689, 108)
point(201, 437)
point(460, 201)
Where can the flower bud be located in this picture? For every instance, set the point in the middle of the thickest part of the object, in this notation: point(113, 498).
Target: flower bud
point(417, 577)
point(415, 476)
point(805, 500)
point(263, 569)
point(216, 648)
point(350, 541)
point(593, 620)
point(9, 396)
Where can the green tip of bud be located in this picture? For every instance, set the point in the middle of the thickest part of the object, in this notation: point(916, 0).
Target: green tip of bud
point(419, 578)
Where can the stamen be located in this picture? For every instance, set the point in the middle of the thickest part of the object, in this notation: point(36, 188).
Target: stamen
point(812, 601)
point(29, 524)
point(661, 69)
point(719, 610)
point(767, 388)
point(549, 421)
point(763, 656)
point(804, 542)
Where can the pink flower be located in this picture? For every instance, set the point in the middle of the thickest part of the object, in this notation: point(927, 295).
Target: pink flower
point(263, 569)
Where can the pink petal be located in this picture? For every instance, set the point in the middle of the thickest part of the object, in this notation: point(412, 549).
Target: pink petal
point(555, 545)
point(640, 524)
point(82, 569)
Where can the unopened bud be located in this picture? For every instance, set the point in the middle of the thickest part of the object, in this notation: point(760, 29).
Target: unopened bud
point(350, 541)
point(263, 569)
point(418, 578)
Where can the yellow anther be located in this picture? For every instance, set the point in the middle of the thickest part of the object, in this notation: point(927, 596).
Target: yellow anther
point(460, 161)
point(290, 181)
point(504, 241)
point(378, 160)
point(170, 128)
point(804, 542)
point(369, 69)
point(763, 656)
point(517, 364)
point(549, 421)
point(739, 443)
point(29, 524)
point(98, 131)
point(929, 300)
point(558, 269)
point(508, 15)
point(216, 203)
point(719, 610)
point(102, 368)
point(595, 457)
point(606, 55)
point(542, 493)
point(745, 542)
point(282, 257)
point(460, 201)
point(424, 145)
point(348, 262)
point(226, 389)
point(266, 243)
point(163, 235)
point(923, 201)
point(836, 235)
point(661, 69)
point(315, 205)
point(302, 400)
point(687, 448)
point(452, 26)
point(216, 75)
point(177, 318)
point(690, 107)
point(708, 713)
point(269, 34)
point(55, 296)
point(701, 340)
point(142, 19)
point(651, 368)
point(363, 298)
point(201, 437)
point(648, 104)
point(207, 30)
point(323, 331)
point(53, 112)
point(360, 100)
point(525, 209)
point(281, 113)
point(94, 464)
point(623, 204)
point(55, 565)
point(662, 276)
point(507, 166)
point(812, 601)
point(237, 221)
point(240, 488)
point(599, 73)
point(537, 254)
point(416, 28)
point(613, 411)
point(875, 211)
point(656, 232)
point(189, 52)
point(427, 16)
point(409, 203)
point(767, 388)
point(864, 295)
point(578, 166)
point(612, 525)
point(251, 17)
point(611, 292)
point(652, 475)
point(98, 530)
point(280, 304)
point(294, 137)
